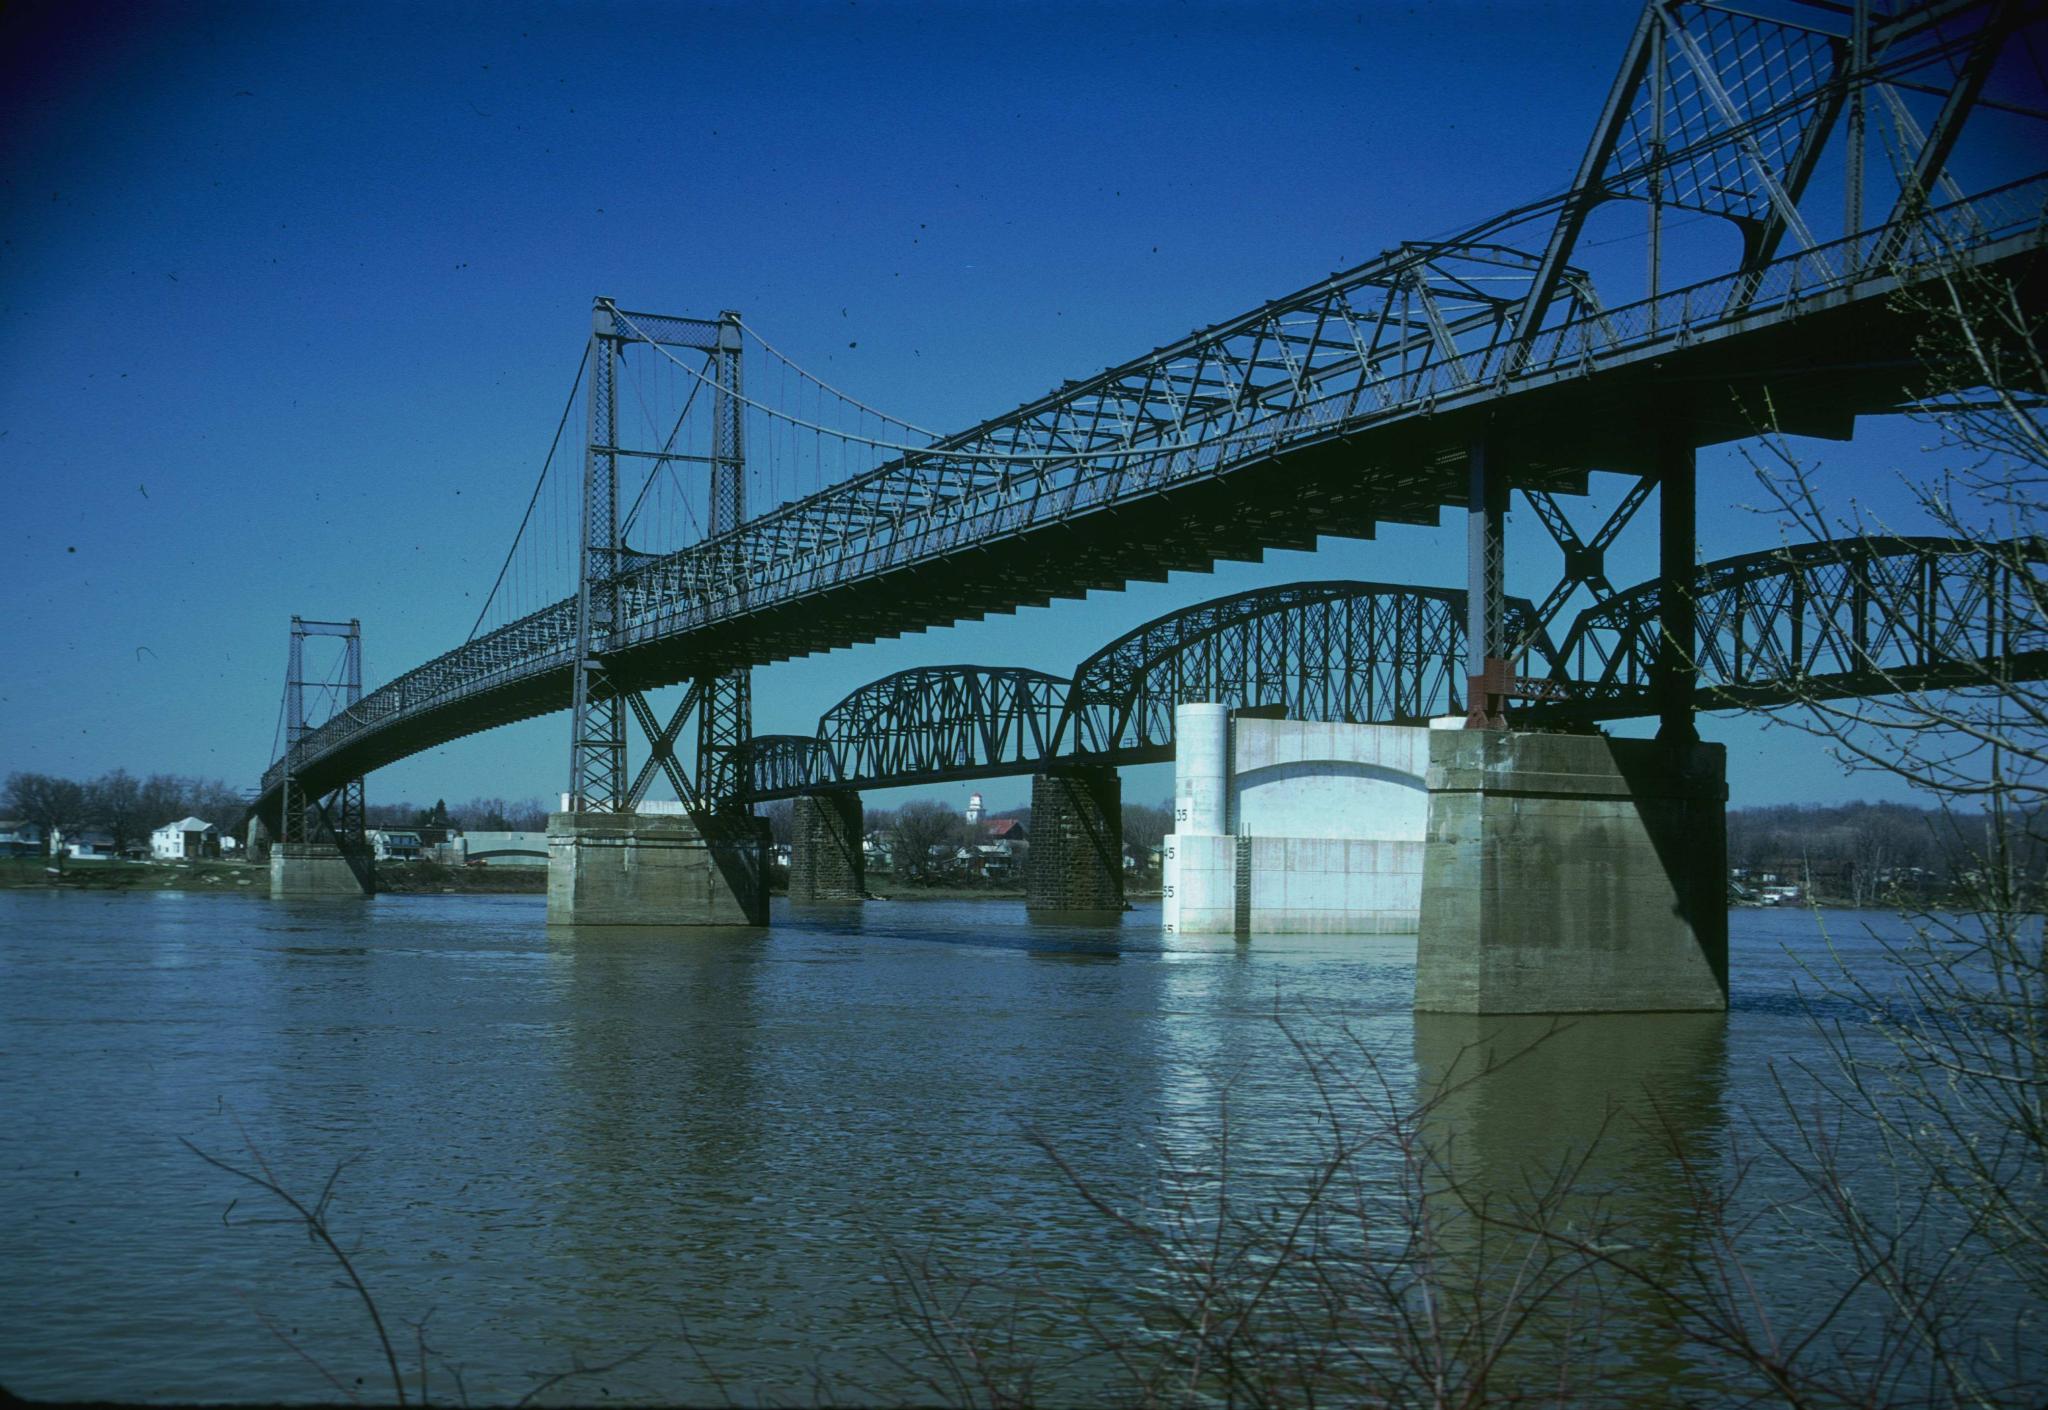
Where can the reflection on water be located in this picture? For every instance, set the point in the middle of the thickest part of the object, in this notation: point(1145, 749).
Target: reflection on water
point(1622, 1091)
point(1609, 1108)
point(573, 1143)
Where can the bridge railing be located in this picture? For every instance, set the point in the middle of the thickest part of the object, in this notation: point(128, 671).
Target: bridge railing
point(1939, 235)
point(963, 504)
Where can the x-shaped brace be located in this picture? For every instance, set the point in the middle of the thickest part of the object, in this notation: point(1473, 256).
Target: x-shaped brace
point(661, 747)
point(1583, 562)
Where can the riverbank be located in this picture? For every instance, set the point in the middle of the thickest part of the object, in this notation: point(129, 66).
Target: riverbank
point(393, 878)
point(40, 873)
point(429, 878)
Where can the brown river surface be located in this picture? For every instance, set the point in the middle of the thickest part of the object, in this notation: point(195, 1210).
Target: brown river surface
point(720, 1149)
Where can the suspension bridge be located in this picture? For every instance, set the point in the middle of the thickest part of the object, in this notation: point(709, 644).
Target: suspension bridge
point(1875, 163)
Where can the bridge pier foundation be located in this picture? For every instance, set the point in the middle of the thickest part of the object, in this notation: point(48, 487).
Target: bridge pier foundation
point(1076, 862)
point(826, 862)
point(311, 869)
point(1573, 874)
point(657, 869)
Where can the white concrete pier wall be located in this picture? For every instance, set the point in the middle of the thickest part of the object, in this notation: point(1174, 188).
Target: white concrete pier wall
point(1293, 827)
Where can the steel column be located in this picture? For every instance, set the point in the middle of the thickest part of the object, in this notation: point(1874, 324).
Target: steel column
point(725, 712)
point(1486, 668)
point(1677, 667)
point(597, 745)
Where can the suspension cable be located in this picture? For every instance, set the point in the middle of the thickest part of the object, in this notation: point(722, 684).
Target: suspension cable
point(560, 426)
point(926, 451)
point(801, 371)
point(633, 514)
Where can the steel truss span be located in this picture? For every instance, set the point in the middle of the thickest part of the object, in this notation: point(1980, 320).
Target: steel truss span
point(1358, 399)
point(1340, 651)
point(1358, 652)
point(1820, 621)
point(1823, 621)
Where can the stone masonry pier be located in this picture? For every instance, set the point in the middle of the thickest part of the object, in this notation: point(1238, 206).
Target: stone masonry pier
point(1076, 862)
point(826, 861)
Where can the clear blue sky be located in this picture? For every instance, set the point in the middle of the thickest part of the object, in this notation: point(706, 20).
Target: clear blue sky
point(290, 297)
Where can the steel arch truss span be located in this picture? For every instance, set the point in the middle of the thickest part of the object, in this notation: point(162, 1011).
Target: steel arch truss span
point(1374, 653)
point(1875, 616)
point(944, 722)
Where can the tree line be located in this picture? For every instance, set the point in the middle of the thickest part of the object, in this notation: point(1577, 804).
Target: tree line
point(119, 804)
point(1864, 851)
point(477, 815)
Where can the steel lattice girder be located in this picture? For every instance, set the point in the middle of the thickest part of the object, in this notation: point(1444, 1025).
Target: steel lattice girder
point(938, 722)
point(1713, 111)
point(1341, 651)
point(1824, 620)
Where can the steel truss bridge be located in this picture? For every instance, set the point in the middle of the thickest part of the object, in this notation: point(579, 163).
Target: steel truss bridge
point(1834, 140)
point(1817, 622)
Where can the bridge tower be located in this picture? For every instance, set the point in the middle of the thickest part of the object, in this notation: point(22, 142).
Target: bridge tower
point(323, 844)
point(608, 861)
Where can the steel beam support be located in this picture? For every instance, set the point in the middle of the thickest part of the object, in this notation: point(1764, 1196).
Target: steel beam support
point(1676, 677)
point(1583, 562)
point(1488, 677)
point(597, 740)
point(725, 718)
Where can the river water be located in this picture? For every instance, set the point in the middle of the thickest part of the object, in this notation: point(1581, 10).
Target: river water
point(727, 1147)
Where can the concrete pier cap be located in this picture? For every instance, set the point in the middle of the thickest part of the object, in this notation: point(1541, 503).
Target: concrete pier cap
point(1573, 874)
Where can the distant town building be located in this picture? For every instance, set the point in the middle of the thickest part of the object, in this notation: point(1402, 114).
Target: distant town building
point(394, 844)
point(20, 838)
point(1000, 852)
point(89, 845)
point(974, 809)
point(186, 840)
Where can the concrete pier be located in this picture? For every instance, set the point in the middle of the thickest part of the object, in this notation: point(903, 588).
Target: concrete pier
point(656, 869)
point(1286, 827)
point(311, 869)
point(1573, 874)
point(1076, 862)
point(826, 862)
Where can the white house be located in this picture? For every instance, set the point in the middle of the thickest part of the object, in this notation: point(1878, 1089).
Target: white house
point(186, 840)
point(88, 845)
point(394, 845)
point(20, 838)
